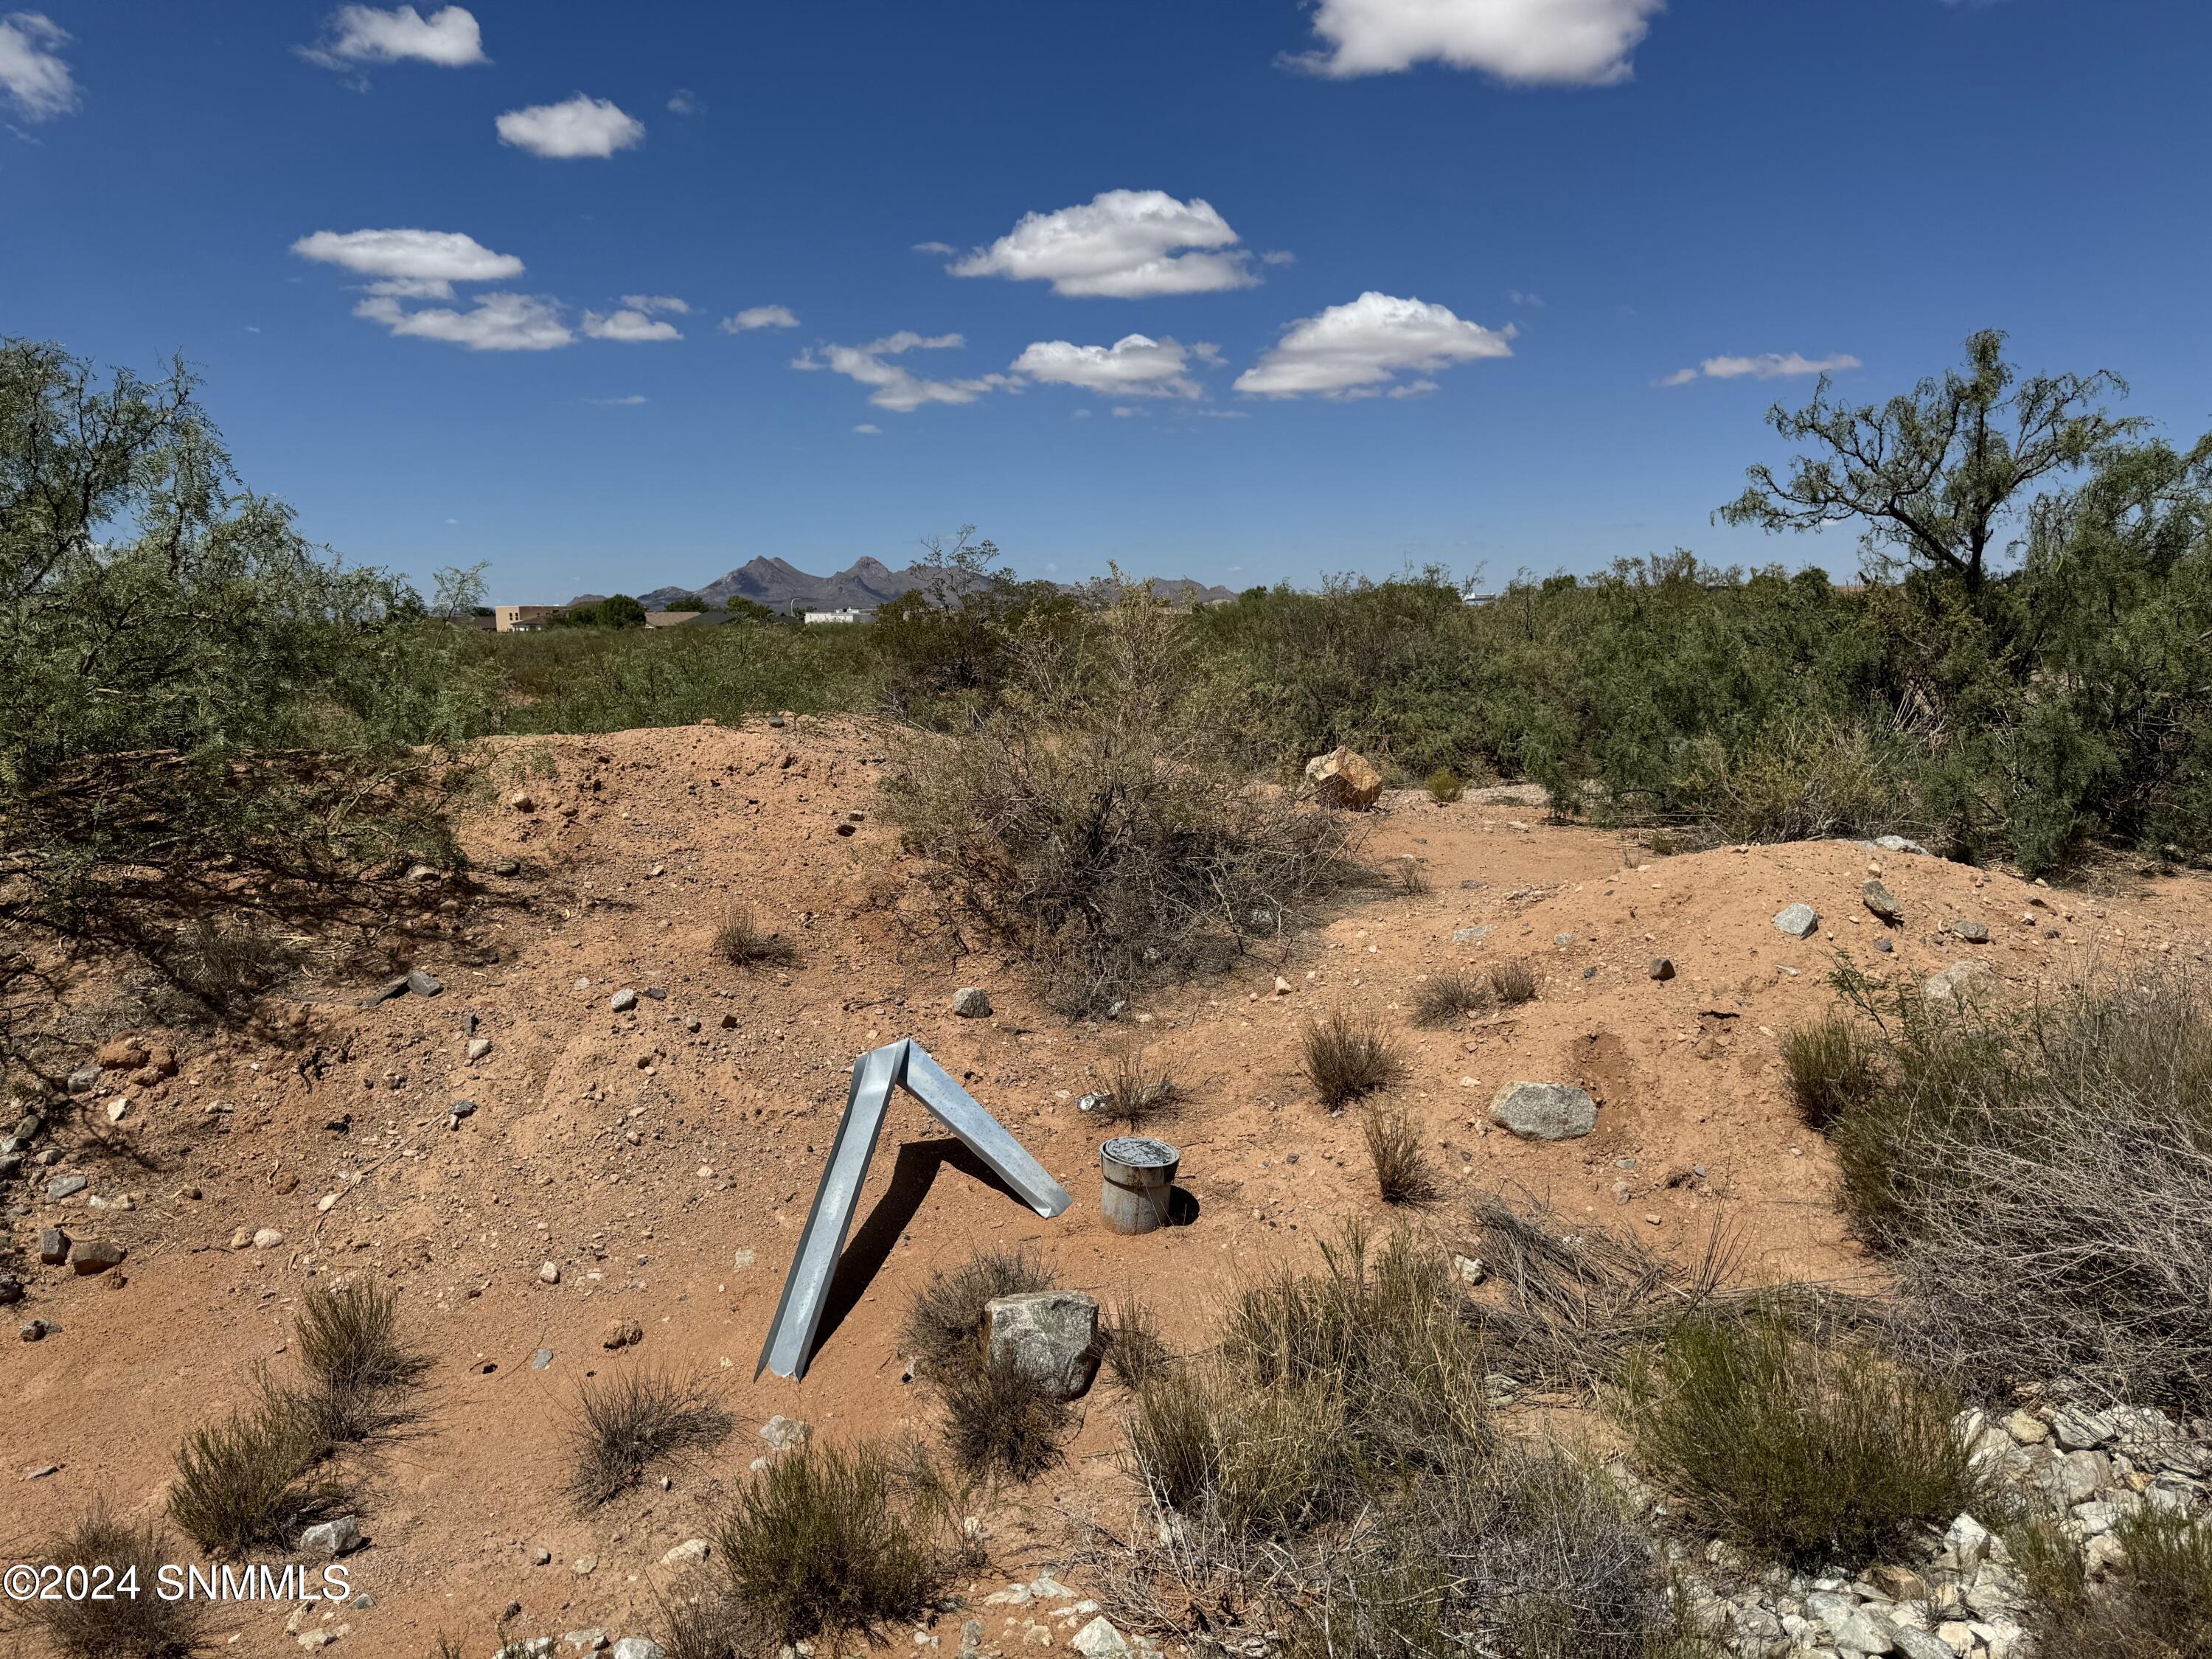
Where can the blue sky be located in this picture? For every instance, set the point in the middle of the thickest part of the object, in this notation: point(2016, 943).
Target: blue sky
point(1552, 207)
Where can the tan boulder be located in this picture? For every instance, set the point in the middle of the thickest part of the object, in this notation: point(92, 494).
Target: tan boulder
point(1344, 778)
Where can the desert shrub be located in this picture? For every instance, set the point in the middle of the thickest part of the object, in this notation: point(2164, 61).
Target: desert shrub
point(1136, 1091)
point(1445, 786)
point(1134, 1352)
point(250, 1480)
point(822, 1542)
point(1268, 1463)
point(1443, 999)
point(1097, 819)
point(1410, 878)
point(1000, 1420)
point(2039, 1181)
point(627, 1423)
point(348, 1341)
point(1382, 1331)
point(1575, 1304)
point(1818, 1455)
point(742, 942)
point(944, 1330)
point(1402, 1174)
point(1348, 1057)
point(1804, 780)
point(2155, 1603)
point(140, 1625)
point(1829, 1065)
point(1512, 983)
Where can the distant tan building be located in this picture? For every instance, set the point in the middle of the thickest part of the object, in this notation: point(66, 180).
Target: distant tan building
point(525, 618)
point(668, 618)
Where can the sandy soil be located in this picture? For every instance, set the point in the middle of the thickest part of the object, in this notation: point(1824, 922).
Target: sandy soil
point(666, 1169)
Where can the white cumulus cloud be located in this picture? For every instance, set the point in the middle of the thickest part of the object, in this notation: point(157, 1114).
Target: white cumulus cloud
point(31, 73)
point(362, 35)
point(893, 386)
point(1122, 244)
point(1767, 366)
point(579, 126)
point(497, 322)
point(631, 324)
point(656, 302)
point(431, 257)
point(1528, 42)
point(760, 317)
point(869, 429)
point(1352, 350)
point(1134, 366)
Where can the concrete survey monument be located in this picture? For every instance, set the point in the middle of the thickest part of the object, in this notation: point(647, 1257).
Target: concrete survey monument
point(902, 1065)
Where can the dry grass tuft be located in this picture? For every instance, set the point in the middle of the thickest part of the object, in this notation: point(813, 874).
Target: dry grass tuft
point(348, 1339)
point(2156, 1603)
point(1348, 1057)
point(742, 942)
point(999, 1419)
point(1513, 983)
point(1135, 1351)
point(1445, 998)
point(1832, 1065)
point(126, 1626)
point(629, 1422)
point(1136, 1091)
point(251, 1481)
point(1402, 1175)
point(944, 1329)
point(1411, 878)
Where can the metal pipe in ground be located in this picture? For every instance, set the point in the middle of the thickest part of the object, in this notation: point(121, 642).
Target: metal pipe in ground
point(1139, 1183)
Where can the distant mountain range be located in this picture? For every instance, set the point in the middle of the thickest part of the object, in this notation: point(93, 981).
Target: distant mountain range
point(781, 586)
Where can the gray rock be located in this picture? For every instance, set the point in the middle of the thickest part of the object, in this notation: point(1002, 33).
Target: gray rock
point(332, 1538)
point(623, 1001)
point(1049, 1336)
point(421, 984)
point(10, 1163)
point(65, 1186)
point(53, 1246)
point(38, 1330)
point(11, 1289)
point(1917, 1644)
point(1962, 983)
point(1852, 1628)
point(541, 1359)
point(1798, 921)
point(85, 1081)
point(2082, 1430)
point(1544, 1111)
point(1099, 1640)
point(391, 987)
point(637, 1647)
point(971, 1002)
point(1469, 935)
point(1661, 968)
point(1973, 932)
point(1563, 939)
point(1883, 902)
point(689, 1554)
point(88, 1256)
point(1884, 946)
point(1899, 844)
point(507, 867)
point(586, 1641)
point(462, 1108)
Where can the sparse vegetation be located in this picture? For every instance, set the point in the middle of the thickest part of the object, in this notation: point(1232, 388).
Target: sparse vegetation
point(1402, 1173)
point(1444, 998)
point(1443, 785)
point(348, 1341)
point(1818, 1455)
point(1349, 1057)
point(1831, 1064)
point(944, 1329)
point(140, 1625)
point(1100, 821)
point(1512, 983)
point(1411, 879)
point(824, 1543)
point(1136, 1091)
point(742, 942)
point(1000, 1420)
point(1134, 1353)
point(629, 1422)
point(2155, 1604)
point(2037, 1181)
point(251, 1481)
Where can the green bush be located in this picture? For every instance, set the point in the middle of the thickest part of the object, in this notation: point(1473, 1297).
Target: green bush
point(1445, 786)
point(1830, 1065)
point(822, 1542)
point(1818, 1456)
point(251, 1481)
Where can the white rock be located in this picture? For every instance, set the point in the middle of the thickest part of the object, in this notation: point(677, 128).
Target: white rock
point(478, 1048)
point(1099, 1640)
point(783, 1432)
point(637, 1647)
point(1962, 983)
point(586, 1641)
point(268, 1238)
point(549, 1272)
point(1798, 921)
point(689, 1554)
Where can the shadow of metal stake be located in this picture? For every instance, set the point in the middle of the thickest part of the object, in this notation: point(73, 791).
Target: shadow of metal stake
point(905, 1065)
